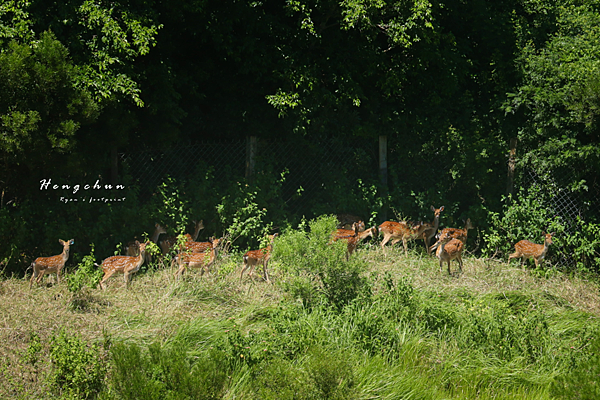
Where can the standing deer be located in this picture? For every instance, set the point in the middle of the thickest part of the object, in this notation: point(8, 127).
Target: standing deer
point(526, 249)
point(133, 247)
point(455, 233)
point(450, 249)
point(431, 227)
point(353, 237)
point(254, 257)
point(397, 231)
point(49, 265)
point(203, 260)
point(168, 243)
point(345, 221)
point(125, 265)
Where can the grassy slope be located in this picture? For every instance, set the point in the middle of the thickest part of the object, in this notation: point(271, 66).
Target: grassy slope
point(157, 306)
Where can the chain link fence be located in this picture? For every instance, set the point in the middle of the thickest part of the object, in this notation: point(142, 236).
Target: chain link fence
point(321, 176)
point(314, 173)
point(564, 201)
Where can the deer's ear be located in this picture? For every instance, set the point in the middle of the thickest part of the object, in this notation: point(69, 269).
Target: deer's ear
point(442, 208)
point(61, 241)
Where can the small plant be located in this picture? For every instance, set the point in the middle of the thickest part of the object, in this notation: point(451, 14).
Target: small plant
point(86, 274)
point(242, 216)
point(172, 208)
point(34, 348)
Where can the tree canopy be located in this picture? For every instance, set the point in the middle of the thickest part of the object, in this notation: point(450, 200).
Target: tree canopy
point(445, 80)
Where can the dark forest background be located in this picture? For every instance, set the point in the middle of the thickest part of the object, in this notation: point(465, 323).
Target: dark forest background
point(88, 86)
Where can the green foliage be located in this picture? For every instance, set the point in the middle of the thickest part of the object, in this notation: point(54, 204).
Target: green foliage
point(85, 275)
point(32, 354)
point(585, 246)
point(582, 381)
point(166, 372)
point(241, 215)
point(331, 374)
point(528, 216)
point(78, 370)
point(172, 207)
point(525, 216)
point(311, 252)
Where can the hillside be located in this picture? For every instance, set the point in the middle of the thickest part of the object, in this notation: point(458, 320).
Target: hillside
point(495, 331)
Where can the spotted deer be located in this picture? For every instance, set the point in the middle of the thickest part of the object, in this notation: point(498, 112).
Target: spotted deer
point(125, 265)
point(167, 243)
point(254, 257)
point(455, 233)
point(431, 227)
point(203, 260)
point(353, 237)
point(450, 249)
point(345, 221)
point(133, 247)
point(49, 265)
point(401, 231)
point(526, 249)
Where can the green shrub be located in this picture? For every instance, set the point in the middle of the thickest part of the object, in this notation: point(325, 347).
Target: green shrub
point(86, 274)
point(78, 370)
point(309, 251)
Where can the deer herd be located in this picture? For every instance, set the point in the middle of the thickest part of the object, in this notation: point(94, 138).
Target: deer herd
point(449, 246)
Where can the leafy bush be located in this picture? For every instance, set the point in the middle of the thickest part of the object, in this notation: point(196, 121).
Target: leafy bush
point(309, 251)
point(78, 370)
point(523, 217)
point(240, 214)
point(86, 274)
point(526, 217)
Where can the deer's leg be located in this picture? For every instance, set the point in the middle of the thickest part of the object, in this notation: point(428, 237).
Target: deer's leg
point(105, 278)
point(386, 238)
point(426, 240)
point(40, 276)
point(33, 275)
point(246, 265)
point(180, 271)
point(265, 272)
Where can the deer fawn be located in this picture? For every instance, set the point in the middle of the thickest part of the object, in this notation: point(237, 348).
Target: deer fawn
point(125, 265)
point(431, 227)
point(397, 231)
point(353, 237)
point(198, 260)
point(526, 249)
point(133, 248)
point(170, 241)
point(455, 233)
point(345, 221)
point(450, 249)
point(49, 265)
point(254, 257)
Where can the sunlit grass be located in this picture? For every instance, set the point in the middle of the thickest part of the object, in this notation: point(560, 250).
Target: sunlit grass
point(193, 311)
